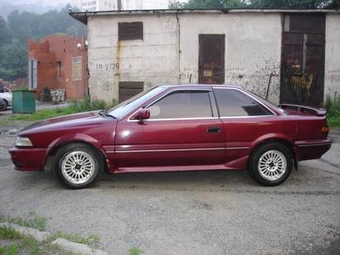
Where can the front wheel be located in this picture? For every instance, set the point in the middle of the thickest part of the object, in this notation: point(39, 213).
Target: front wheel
point(77, 165)
point(271, 164)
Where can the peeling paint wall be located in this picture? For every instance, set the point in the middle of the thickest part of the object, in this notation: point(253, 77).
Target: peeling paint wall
point(332, 56)
point(152, 60)
point(252, 50)
point(169, 50)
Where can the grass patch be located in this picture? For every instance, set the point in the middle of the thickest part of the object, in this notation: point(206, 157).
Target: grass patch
point(332, 106)
point(9, 233)
point(15, 243)
point(19, 244)
point(33, 221)
point(91, 240)
point(74, 107)
point(135, 251)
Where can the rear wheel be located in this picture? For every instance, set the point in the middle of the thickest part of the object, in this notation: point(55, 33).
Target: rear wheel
point(271, 164)
point(6, 105)
point(77, 165)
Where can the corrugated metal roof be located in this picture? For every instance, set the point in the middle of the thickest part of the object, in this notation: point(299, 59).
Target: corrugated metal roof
point(83, 16)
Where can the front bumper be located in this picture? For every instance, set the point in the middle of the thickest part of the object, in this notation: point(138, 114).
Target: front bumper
point(28, 159)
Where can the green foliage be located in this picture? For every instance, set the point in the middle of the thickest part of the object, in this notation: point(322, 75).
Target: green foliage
point(22, 26)
point(87, 105)
point(332, 106)
point(33, 221)
point(9, 233)
point(92, 241)
point(12, 249)
point(207, 4)
point(75, 106)
point(269, 4)
point(135, 251)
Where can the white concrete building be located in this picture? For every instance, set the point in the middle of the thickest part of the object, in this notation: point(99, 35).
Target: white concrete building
point(287, 56)
point(105, 5)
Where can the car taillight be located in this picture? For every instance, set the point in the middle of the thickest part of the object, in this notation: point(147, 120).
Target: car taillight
point(325, 129)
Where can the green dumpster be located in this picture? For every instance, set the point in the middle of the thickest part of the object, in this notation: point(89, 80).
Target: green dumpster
point(23, 101)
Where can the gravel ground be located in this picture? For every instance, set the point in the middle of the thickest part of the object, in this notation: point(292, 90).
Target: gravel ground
point(198, 213)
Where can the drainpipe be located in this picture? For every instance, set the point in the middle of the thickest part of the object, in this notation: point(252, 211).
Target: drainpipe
point(119, 5)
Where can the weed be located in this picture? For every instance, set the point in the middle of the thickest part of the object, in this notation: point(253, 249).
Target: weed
point(74, 107)
point(12, 249)
point(91, 240)
point(9, 233)
point(135, 251)
point(21, 244)
point(332, 106)
point(33, 221)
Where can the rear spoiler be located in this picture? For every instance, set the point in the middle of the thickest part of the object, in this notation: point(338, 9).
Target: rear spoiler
point(304, 109)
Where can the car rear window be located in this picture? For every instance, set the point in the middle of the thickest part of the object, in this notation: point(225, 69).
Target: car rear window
point(232, 102)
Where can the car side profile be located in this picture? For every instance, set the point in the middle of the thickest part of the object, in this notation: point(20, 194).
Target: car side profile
point(176, 128)
point(6, 95)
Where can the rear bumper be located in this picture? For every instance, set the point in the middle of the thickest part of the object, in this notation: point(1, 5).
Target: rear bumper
point(311, 149)
point(28, 159)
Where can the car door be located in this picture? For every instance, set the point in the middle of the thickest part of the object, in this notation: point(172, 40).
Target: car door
point(183, 130)
point(244, 119)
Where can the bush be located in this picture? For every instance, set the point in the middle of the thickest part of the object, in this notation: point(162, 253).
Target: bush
point(332, 106)
point(87, 105)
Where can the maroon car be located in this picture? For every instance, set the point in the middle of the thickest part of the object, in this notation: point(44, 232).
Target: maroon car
point(176, 128)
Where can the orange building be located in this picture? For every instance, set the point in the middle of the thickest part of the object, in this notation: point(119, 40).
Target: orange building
point(59, 62)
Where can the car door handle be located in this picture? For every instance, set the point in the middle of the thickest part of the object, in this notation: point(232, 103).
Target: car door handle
point(213, 129)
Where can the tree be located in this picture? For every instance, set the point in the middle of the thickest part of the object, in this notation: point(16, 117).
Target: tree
point(293, 4)
point(20, 27)
point(268, 4)
point(207, 4)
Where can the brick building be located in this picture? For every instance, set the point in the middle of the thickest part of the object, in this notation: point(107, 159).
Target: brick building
point(59, 62)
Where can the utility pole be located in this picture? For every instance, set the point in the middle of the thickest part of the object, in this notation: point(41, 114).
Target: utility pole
point(119, 5)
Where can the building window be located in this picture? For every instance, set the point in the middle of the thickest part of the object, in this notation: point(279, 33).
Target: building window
point(130, 31)
point(76, 68)
point(58, 68)
point(128, 89)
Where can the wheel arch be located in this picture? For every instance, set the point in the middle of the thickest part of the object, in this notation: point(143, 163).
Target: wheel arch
point(67, 140)
point(272, 140)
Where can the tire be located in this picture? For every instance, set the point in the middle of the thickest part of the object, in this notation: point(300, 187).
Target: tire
point(6, 105)
point(270, 164)
point(77, 165)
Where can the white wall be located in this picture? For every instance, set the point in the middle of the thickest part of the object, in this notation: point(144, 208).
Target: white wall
point(252, 48)
point(170, 48)
point(153, 60)
point(332, 55)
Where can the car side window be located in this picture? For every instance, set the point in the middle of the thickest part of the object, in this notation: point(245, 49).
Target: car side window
point(232, 102)
point(182, 104)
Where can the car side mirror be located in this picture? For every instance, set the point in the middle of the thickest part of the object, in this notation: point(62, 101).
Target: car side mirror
point(143, 114)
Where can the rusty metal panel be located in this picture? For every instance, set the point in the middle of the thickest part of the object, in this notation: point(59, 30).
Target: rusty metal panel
point(307, 23)
point(303, 53)
point(211, 59)
point(130, 31)
point(128, 89)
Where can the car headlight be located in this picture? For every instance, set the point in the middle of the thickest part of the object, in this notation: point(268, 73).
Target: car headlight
point(23, 142)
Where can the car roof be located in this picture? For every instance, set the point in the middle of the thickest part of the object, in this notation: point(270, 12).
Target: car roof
point(191, 86)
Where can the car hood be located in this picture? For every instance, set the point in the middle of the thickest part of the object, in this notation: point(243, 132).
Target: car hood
point(71, 121)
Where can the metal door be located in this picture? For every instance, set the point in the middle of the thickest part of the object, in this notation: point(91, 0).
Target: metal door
point(303, 53)
point(211, 59)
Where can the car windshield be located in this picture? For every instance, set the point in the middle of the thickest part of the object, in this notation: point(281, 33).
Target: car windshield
point(125, 107)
